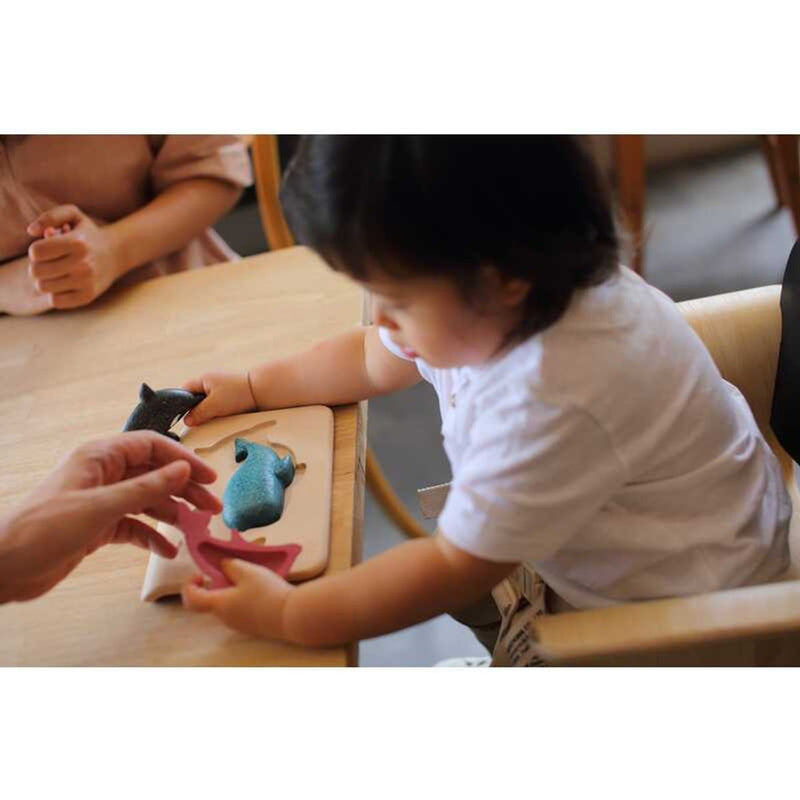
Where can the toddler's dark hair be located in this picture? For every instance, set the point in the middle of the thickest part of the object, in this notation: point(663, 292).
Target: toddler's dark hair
point(533, 207)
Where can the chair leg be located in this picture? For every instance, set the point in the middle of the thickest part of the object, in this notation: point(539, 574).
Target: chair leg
point(266, 165)
point(393, 506)
point(769, 147)
point(788, 160)
point(630, 185)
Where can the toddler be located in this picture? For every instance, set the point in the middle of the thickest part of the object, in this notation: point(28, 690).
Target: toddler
point(589, 432)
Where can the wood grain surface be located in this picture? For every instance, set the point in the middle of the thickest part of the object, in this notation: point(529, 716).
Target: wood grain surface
point(71, 376)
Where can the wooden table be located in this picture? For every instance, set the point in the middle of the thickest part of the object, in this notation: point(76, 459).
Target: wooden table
point(71, 376)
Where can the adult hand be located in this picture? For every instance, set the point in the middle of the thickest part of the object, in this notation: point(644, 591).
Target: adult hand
point(18, 294)
point(73, 268)
point(83, 504)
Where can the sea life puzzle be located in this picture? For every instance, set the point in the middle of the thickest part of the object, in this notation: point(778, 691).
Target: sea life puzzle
point(292, 449)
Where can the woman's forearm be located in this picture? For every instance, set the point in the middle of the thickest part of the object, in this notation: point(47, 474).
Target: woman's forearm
point(170, 220)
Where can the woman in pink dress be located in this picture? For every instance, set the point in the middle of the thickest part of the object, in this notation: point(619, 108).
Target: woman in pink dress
point(81, 213)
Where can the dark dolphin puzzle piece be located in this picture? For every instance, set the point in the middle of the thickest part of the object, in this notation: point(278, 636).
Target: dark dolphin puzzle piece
point(785, 416)
point(160, 410)
point(255, 493)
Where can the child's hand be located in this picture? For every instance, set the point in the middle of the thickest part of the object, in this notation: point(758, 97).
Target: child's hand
point(75, 267)
point(227, 393)
point(253, 605)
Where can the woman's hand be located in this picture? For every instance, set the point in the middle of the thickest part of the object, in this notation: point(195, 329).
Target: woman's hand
point(253, 605)
point(72, 269)
point(84, 504)
point(227, 393)
point(18, 294)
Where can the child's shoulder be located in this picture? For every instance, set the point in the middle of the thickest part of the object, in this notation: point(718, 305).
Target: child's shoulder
point(620, 337)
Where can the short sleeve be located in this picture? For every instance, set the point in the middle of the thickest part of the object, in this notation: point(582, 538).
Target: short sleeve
point(179, 158)
point(531, 476)
point(387, 342)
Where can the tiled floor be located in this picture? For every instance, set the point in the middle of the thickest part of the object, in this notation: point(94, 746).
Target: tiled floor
point(711, 228)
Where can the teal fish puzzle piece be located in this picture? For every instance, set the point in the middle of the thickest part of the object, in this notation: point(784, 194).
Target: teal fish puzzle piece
point(255, 493)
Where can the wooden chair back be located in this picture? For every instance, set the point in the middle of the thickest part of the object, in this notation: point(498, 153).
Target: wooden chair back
point(267, 170)
point(752, 625)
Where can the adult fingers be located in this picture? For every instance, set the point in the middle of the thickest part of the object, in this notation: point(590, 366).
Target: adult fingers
point(194, 493)
point(74, 281)
point(134, 495)
point(164, 511)
point(56, 231)
point(71, 299)
point(71, 244)
point(141, 448)
point(51, 270)
point(167, 510)
point(201, 498)
point(136, 532)
point(56, 217)
point(101, 462)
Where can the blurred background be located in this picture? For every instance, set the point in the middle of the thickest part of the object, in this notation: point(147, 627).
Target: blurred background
point(709, 220)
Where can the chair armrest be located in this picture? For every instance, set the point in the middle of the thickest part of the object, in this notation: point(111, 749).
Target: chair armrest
point(753, 624)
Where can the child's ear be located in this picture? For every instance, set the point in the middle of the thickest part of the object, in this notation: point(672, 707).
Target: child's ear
point(509, 292)
point(514, 291)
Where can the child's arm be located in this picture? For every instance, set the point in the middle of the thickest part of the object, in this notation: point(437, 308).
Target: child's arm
point(76, 267)
point(345, 369)
point(403, 586)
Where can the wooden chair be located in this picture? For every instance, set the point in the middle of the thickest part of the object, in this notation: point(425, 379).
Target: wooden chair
point(266, 166)
point(783, 162)
point(267, 169)
point(781, 153)
point(754, 625)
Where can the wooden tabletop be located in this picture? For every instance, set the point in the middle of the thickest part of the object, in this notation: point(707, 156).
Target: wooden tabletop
point(72, 376)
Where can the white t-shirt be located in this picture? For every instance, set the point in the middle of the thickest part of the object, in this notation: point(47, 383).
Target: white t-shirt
point(609, 453)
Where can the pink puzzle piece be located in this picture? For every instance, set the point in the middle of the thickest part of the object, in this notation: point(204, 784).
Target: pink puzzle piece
point(208, 551)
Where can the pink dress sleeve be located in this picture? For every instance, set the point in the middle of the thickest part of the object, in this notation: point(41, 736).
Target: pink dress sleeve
point(179, 158)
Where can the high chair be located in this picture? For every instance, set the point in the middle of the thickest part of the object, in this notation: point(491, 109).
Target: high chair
point(267, 169)
point(754, 625)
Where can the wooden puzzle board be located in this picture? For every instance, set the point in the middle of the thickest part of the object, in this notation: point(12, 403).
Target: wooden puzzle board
point(307, 434)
